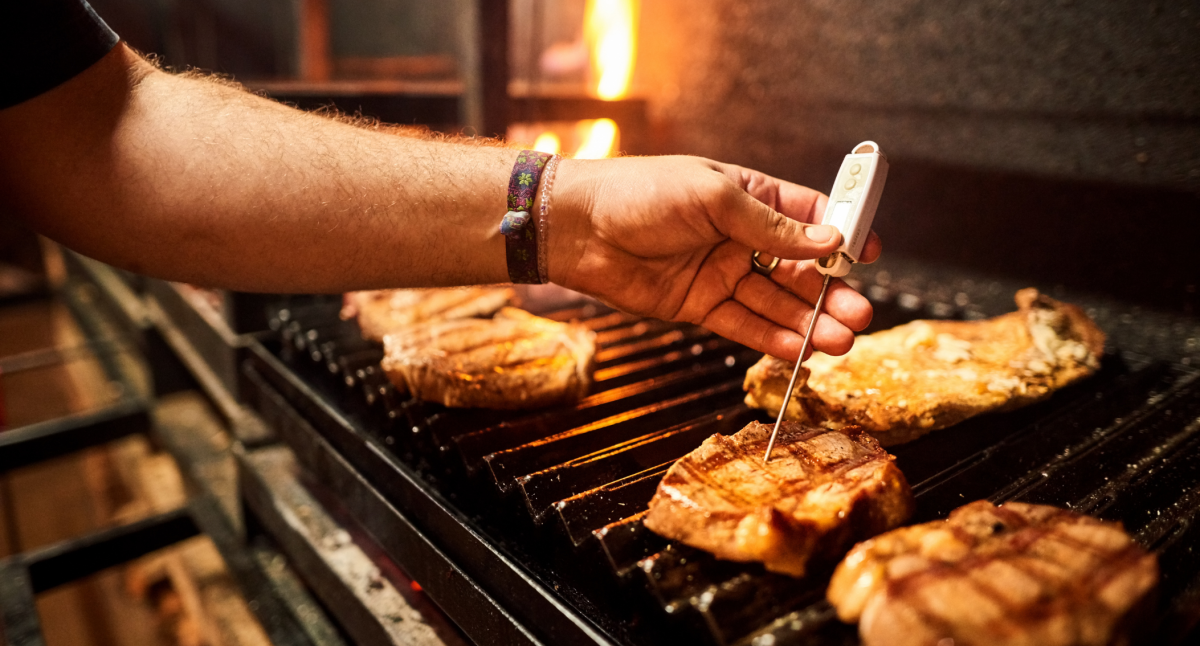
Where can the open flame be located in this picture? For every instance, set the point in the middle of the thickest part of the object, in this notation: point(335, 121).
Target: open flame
point(599, 139)
point(610, 29)
point(548, 142)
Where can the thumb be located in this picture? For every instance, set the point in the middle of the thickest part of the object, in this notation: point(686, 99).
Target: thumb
point(760, 227)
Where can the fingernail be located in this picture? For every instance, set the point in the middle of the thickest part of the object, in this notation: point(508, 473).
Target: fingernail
point(820, 233)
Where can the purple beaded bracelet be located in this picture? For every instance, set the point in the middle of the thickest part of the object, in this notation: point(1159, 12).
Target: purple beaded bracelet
point(520, 233)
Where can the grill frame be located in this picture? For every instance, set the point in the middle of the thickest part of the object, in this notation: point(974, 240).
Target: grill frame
point(547, 596)
point(443, 550)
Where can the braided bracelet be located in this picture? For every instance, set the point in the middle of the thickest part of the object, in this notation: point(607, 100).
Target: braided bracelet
point(520, 236)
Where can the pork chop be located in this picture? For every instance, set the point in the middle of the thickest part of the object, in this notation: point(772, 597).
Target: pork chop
point(516, 360)
point(387, 310)
point(902, 383)
point(822, 490)
point(1018, 574)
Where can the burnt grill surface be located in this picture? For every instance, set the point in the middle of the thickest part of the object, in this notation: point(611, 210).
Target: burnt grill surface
point(563, 490)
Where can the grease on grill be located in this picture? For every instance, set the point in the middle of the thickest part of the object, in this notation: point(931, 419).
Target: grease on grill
point(597, 526)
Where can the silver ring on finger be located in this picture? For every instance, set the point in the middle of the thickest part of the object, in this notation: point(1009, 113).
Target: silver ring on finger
point(760, 268)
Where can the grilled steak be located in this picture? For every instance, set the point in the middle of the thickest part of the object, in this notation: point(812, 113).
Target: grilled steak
point(1016, 574)
point(386, 310)
point(516, 360)
point(904, 382)
point(822, 490)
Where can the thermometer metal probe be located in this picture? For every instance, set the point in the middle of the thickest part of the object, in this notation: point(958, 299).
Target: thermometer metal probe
point(812, 324)
point(851, 209)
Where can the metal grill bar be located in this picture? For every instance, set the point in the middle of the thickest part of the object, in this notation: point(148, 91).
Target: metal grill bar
point(584, 513)
point(1118, 445)
point(561, 481)
point(472, 447)
point(509, 465)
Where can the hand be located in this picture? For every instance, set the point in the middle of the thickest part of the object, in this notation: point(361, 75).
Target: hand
point(671, 237)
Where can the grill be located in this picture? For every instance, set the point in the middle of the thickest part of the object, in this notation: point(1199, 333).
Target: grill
point(533, 519)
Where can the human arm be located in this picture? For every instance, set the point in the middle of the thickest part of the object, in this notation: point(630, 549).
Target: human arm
point(187, 179)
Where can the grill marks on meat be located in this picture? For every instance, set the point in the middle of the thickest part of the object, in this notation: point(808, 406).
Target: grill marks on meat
point(822, 490)
point(388, 310)
point(907, 381)
point(1012, 575)
point(516, 360)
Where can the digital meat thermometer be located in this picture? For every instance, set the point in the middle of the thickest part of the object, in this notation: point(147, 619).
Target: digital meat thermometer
point(851, 209)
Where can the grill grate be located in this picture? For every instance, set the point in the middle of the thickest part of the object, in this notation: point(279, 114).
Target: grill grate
point(1123, 445)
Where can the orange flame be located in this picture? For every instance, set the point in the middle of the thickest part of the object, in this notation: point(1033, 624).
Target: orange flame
point(599, 139)
point(610, 28)
point(548, 142)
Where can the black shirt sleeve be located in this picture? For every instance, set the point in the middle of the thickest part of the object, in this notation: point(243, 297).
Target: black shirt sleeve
point(43, 43)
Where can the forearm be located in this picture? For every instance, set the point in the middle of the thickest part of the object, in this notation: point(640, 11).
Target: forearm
point(192, 180)
point(188, 179)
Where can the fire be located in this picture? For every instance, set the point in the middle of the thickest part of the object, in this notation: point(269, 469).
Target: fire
point(548, 142)
point(610, 28)
point(599, 139)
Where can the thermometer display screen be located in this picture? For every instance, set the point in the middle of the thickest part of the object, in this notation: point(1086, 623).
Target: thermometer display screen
point(840, 215)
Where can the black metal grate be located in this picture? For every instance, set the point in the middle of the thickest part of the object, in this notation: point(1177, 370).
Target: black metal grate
point(563, 490)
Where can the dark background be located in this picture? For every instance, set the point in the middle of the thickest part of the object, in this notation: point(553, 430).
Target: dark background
point(1056, 141)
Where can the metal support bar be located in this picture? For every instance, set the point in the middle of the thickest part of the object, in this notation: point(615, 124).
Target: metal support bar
point(358, 624)
point(460, 594)
point(110, 298)
point(493, 60)
point(55, 356)
point(26, 574)
point(105, 307)
point(69, 560)
point(247, 428)
point(631, 115)
point(21, 625)
point(36, 442)
point(371, 608)
point(287, 614)
point(280, 621)
point(286, 621)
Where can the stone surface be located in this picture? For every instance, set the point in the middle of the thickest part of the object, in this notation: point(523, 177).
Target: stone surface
point(1099, 90)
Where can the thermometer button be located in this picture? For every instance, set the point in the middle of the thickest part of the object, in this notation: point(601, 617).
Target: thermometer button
point(855, 168)
point(850, 183)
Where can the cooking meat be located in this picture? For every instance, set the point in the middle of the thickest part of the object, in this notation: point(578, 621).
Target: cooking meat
point(516, 360)
point(385, 310)
point(822, 490)
point(904, 382)
point(1013, 575)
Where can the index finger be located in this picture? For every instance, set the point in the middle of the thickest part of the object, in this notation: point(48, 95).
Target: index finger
point(797, 202)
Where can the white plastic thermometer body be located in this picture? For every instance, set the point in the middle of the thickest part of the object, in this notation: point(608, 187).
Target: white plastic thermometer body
point(851, 209)
point(852, 204)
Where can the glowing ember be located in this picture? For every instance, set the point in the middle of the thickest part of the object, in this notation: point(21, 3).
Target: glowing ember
point(610, 29)
point(548, 142)
point(599, 139)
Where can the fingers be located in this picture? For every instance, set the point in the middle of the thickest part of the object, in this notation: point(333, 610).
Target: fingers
point(756, 225)
point(797, 202)
point(872, 248)
point(765, 298)
point(870, 252)
point(843, 303)
point(729, 299)
point(735, 322)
